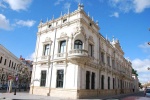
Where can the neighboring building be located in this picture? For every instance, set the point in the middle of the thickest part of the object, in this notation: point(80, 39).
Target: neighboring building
point(28, 65)
point(135, 83)
point(10, 66)
point(73, 60)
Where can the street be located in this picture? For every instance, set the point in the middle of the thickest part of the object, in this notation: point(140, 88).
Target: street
point(25, 95)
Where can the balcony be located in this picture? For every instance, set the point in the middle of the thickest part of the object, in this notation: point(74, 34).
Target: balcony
point(60, 56)
point(43, 59)
point(78, 55)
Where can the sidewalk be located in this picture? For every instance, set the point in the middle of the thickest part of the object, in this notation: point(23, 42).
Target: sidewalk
point(24, 95)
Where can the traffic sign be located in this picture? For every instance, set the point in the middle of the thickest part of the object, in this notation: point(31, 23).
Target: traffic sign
point(10, 77)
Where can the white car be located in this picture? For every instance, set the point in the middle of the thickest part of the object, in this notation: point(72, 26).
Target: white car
point(147, 92)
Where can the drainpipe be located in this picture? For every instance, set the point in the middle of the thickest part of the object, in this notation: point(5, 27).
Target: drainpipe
point(52, 62)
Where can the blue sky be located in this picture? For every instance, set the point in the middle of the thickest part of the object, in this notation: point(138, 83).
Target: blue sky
point(126, 20)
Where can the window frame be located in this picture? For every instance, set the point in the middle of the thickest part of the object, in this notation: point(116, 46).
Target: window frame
point(43, 81)
point(59, 78)
point(78, 44)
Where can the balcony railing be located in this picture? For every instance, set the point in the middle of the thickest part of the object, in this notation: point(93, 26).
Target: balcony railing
point(61, 54)
point(43, 58)
point(78, 52)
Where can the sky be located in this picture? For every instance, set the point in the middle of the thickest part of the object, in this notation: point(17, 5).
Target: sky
point(125, 20)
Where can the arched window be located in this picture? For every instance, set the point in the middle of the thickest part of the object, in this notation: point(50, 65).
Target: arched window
point(78, 44)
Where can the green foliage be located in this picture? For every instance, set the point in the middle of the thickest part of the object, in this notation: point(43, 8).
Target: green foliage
point(134, 72)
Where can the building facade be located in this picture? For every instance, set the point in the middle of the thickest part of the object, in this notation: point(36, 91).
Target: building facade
point(135, 83)
point(73, 60)
point(12, 67)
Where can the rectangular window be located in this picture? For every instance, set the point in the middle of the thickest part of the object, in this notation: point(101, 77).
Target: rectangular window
point(43, 78)
point(9, 63)
point(62, 47)
point(113, 63)
point(102, 57)
point(60, 78)
point(87, 80)
point(46, 49)
point(5, 61)
point(108, 82)
point(93, 81)
point(15, 66)
point(91, 50)
point(102, 82)
point(12, 64)
point(108, 60)
point(1, 59)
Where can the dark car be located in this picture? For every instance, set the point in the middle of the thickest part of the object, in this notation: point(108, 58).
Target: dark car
point(4, 86)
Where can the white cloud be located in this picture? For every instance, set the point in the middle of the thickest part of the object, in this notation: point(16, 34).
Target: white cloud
point(27, 23)
point(115, 14)
point(58, 2)
point(137, 6)
point(18, 4)
point(141, 67)
point(4, 23)
point(141, 5)
point(31, 56)
point(145, 47)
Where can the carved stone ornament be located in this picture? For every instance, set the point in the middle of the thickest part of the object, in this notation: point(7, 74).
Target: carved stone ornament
point(91, 39)
point(63, 35)
point(47, 39)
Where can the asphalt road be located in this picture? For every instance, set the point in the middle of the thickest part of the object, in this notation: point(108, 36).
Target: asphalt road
point(135, 96)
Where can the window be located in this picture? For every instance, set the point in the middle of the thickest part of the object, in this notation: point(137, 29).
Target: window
point(43, 78)
point(1, 59)
point(60, 78)
point(108, 82)
point(90, 24)
point(113, 83)
point(12, 65)
point(64, 20)
point(102, 82)
point(62, 46)
point(87, 80)
point(113, 63)
point(9, 63)
point(78, 44)
point(102, 57)
point(91, 50)
point(93, 81)
point(49, 26)
point(5, 61)
point(46, 49)
point(108, 60)
point(15, 66)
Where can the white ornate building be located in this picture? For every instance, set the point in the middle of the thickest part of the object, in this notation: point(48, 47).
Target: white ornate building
point(73, 60)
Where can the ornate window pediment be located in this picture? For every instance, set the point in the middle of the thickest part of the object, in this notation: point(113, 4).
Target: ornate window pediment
point(48, 41)
point(91, 40)
point(63, 36)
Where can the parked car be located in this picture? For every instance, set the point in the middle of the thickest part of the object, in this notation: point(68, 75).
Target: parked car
point(4, 86)
point(147, 92)
point(0, 86)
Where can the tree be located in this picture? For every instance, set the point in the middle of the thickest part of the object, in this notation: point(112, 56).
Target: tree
point(134, 72)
